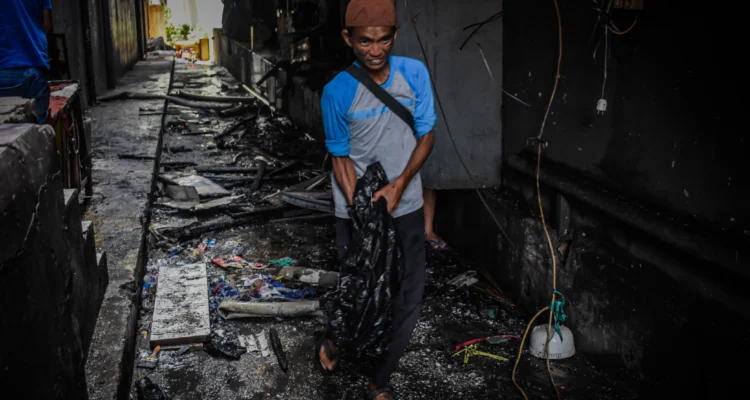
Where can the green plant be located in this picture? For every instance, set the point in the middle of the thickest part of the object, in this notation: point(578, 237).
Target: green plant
point(184, 31)
point(171, 32)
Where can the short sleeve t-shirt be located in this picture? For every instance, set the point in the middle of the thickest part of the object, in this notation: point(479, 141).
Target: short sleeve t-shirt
point(360, 126)
point(23, 42)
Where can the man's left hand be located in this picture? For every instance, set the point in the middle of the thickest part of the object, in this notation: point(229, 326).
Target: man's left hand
point(392, 193)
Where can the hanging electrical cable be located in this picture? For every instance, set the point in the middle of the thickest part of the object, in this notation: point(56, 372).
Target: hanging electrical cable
point(557, 74)
point(606, 57)
point(555, 305)
point(613, 28)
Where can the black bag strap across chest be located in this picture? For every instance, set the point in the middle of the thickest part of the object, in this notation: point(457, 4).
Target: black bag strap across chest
point(397, 108)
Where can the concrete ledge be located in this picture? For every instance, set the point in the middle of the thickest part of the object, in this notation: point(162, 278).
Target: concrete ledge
point(42, 298)
point(118, 210)
point(17, 110)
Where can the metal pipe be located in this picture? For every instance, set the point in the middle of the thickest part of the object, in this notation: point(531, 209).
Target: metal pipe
point(259, 97)
point(215, 99)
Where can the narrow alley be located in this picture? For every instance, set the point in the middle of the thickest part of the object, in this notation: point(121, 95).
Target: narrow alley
point(172, 227)
point(268, 234)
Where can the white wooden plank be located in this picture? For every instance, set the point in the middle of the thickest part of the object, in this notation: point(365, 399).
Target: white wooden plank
point(181, 309)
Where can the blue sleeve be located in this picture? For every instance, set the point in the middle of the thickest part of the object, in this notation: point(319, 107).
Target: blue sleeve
point(46, 4)
point(335, 121)
point(424, 112)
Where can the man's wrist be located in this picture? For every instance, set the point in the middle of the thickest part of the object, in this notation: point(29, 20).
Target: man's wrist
point(401, 182)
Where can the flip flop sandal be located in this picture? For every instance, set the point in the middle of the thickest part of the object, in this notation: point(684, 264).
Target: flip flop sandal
point(332, 356)
point(373, 394)
point(436, 244)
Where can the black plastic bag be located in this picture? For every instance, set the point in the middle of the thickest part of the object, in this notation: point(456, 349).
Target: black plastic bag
point(360, 309)
point(224, 349)
point(148, 390)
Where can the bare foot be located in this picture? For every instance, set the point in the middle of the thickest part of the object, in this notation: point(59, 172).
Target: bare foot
point(324, 360)
point(382, 396)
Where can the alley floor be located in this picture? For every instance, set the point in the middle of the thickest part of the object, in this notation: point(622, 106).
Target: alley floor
point(265, 231)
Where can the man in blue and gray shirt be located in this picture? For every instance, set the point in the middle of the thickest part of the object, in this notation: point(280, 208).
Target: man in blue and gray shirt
point(361, 130)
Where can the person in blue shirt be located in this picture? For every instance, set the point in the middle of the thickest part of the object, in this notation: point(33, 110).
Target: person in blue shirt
point(24, 65)
point(361, 130)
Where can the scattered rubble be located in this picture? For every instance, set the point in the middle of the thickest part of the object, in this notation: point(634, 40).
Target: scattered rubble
point(251, 203)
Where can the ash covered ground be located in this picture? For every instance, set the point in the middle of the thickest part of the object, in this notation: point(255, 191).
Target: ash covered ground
point(449, 316)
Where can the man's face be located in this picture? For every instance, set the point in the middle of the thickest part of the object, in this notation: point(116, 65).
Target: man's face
point(371, 44)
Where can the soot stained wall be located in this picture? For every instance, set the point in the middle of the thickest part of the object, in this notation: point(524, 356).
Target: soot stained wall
point(646, 203)
point(667, 138)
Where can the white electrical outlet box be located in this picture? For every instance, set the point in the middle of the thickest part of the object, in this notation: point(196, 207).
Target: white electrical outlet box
point(601, 106)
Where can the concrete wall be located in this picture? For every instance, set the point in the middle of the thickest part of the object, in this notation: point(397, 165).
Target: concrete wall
point(98, 46)
point(468, 82)
point(113, 43)
point(66, 20)
point(122, 36)
point(665, 139)
point(53, 281)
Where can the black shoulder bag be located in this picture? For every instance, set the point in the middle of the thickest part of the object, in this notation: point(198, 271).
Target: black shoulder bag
point(382, 95)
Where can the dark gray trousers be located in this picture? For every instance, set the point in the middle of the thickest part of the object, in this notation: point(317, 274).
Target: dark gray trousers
point(408, 302)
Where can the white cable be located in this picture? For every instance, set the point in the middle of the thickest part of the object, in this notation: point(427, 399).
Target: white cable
point(606, 56)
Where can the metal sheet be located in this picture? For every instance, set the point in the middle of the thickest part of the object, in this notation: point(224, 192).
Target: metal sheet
point(204, 186)
point(471, 98)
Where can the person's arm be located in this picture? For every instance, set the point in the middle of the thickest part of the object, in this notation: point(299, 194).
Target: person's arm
point(424, 123)
point(393, 191)
point(336, 128)
point(346, 177)
point(47, 17)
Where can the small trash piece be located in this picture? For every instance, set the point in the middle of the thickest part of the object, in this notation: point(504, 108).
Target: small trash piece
point(224, 349)
point(182, 350)
point(204, 186)
point(249, 342)
point(466, 279)
point(229, 262)
point(282, 262)
point(216, 203)
point(148, 390)
point(263, 344)
point(310, 276)
point(182, 193)
point(472, 350)
point(151, 361)
point(259, 176)
point(278, 350)
point(496, 339)
point(146, 364)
